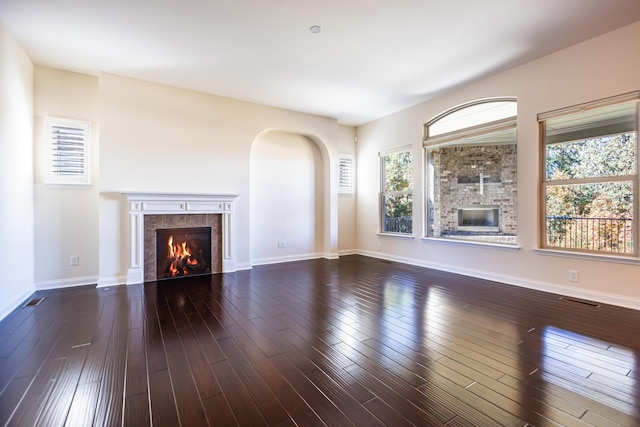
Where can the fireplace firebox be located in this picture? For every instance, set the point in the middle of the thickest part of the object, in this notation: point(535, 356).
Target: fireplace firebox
point(183, 252)
point(479, 218)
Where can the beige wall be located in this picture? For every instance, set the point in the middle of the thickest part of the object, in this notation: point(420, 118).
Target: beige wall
point(155, 138)
point(16, 173)
point(286, 179)
point(163, 139)
point(347, 239)
point(605, 66)
point(66, 217)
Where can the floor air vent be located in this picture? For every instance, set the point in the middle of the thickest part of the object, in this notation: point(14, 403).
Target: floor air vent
point(33, 302)
point(583, 302)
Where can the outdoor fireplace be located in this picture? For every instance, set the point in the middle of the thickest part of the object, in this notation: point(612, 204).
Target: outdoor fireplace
point(183, 252)
point(479, 218)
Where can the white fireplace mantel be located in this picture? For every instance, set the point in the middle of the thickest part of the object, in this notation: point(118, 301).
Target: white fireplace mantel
point(141, 204)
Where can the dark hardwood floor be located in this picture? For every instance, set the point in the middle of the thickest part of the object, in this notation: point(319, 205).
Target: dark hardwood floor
point(355, 341)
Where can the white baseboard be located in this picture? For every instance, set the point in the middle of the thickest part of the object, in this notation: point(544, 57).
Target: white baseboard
point(243, 266)
point(288, 258)
point(9, 307)
point(66, 283)
point(601, 297)
point(345, 252)
point(331, 255)
point(105, 282)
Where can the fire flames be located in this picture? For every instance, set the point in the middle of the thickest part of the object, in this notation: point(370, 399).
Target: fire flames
point(180, 257)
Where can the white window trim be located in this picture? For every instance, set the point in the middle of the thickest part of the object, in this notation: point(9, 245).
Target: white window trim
point(542, 249)
point(395, 235)
point(54, 177)
point(346, 174)
point(451, 138)
point(451, 111)
point(587, 255)
point(476, 243)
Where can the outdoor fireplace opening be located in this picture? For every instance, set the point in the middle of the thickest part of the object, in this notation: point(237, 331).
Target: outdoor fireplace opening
point(479, 218)
point(183, 252)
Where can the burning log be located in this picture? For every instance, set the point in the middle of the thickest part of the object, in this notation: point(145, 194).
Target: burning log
point(182, 252)
point(182, 262)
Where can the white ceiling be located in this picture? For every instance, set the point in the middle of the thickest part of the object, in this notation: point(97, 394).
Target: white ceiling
point(372, 58)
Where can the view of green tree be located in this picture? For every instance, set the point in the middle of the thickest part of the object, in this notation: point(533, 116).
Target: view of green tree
point(397, 198)
point(591, 215)
point(597, 157)
point(398, 172)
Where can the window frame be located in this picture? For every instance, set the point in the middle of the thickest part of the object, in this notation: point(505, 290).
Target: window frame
point(346, 174)
point(545, 183)
point(478, 125)
point(78, 175)
point(382, 194)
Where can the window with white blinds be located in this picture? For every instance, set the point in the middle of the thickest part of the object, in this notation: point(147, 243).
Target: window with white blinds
point(347, 174)
point(67, 160)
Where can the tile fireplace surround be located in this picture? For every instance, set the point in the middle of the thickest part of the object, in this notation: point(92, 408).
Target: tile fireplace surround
point(200, 206)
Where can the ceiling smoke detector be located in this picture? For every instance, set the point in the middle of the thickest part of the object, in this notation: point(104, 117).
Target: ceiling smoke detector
point(315, 29)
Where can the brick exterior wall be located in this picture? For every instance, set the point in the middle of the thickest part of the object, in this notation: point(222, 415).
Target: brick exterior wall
point(456, 183)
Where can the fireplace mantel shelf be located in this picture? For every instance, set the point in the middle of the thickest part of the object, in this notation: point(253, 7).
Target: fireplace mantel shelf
point(141, 204)
point(179, 196)
point(173, 202)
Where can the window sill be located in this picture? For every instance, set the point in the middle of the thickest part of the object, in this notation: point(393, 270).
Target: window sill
point(500, 246)
point(588, 256)
point(397, 235)
point(68, 184)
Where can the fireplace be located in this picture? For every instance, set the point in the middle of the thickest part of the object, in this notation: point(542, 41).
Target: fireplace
point(149, 212)
point(208, 226)
point(183, 252)
point(479, 218)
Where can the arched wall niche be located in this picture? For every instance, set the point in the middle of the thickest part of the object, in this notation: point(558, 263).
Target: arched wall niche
point(289, 197)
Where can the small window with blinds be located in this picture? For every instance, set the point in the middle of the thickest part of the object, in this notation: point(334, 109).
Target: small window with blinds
point(67, 161)
point(347, 174)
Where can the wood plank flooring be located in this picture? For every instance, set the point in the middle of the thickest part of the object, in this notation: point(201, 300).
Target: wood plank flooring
point(355, 341)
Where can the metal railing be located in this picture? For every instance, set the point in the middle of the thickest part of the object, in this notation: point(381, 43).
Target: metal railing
point(402, 224)
point(596, 234)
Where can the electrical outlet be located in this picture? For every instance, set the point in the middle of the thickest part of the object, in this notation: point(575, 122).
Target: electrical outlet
point(74, 260)
point(573, 275)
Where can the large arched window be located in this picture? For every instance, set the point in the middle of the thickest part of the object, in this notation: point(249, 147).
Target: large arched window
point(471, 172)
